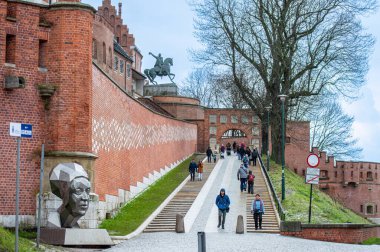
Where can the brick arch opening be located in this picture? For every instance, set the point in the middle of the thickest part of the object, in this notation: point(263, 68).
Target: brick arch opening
point(234, 135)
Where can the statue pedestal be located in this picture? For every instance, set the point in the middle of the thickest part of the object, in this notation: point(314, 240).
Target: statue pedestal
point(76, 237)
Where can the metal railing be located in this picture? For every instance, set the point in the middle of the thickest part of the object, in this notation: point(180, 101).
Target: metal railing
point(277, 202)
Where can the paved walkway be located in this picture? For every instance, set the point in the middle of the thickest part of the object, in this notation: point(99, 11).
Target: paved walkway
point(227, 240)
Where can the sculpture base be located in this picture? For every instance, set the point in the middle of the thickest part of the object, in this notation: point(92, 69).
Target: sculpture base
point(76, 237)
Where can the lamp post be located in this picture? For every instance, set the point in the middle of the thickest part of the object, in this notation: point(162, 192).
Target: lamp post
point(268, 155)
point(282, 98)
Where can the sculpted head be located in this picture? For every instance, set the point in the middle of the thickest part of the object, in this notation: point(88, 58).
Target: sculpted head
point(69, 181)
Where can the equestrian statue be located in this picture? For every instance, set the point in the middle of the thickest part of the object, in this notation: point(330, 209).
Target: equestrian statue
point(161, 68)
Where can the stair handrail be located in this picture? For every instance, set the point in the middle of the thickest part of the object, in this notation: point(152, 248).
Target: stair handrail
point(278, 204)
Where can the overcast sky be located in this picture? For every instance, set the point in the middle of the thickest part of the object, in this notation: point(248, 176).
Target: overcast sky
point(166, 26)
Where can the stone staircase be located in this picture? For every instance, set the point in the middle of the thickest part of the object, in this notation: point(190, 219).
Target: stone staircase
point(270, 222)
point(180, 204)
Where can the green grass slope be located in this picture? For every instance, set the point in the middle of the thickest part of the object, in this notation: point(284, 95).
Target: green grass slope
point(7, 242)
point(132, 215)
point(324, 208)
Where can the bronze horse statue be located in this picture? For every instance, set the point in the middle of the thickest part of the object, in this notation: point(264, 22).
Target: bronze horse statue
point(163, 70)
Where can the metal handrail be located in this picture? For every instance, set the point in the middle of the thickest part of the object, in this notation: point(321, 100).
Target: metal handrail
point(277, 202)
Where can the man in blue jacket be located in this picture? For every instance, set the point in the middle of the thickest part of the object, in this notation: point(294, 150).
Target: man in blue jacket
point(223, 203)
point(192, 169)
point(257, 209)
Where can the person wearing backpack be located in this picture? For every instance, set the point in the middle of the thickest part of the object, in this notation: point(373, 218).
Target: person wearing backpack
point(257, 209)
point(223, 203)
point(251, 179)
point(242, 175)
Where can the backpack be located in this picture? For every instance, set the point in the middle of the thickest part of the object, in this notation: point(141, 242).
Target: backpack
point(250, 177)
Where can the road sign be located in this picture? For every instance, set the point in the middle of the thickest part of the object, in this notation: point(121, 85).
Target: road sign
point(20, 130)
point(313, 160)
point(312, 176)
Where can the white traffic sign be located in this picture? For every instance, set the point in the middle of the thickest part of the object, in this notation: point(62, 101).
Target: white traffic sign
point(312, 175)
point(313, 160)
point(20, 130)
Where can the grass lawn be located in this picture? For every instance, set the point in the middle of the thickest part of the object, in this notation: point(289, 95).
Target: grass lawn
point(132, 215)
point(372, 241)
point(7, 242)
point(296, 205)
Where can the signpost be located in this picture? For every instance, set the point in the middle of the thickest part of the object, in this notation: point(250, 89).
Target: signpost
point(19, 130)
point(312, 176)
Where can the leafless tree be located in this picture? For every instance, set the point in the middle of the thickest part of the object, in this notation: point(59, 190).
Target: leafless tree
point(299, 48)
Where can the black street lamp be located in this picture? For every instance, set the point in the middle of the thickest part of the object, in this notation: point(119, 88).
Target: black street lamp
point(282, 98)
point(268, 155)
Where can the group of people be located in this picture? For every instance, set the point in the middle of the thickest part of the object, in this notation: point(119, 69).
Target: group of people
point(193, 168)
point(223, 203)
point(241, 150)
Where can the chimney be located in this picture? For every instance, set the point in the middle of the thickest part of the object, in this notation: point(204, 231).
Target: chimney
point(120, 4)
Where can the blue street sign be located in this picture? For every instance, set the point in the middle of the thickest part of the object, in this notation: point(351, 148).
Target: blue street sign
point(20, 130)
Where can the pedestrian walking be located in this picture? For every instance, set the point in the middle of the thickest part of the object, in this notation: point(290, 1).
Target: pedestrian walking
point(251, 182)
point(255, 153)
point(223, 203)
point(214, 156)
point(222, 150)
point(234, 146)
point(241, 151)
point(245, 161)
point(192, 169)
point(200, 170)
point(257, 209)
point(242, 175)
point(209, 154)
point(248, 152)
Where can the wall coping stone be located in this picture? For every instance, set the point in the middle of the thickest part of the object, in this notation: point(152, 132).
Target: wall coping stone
point(296, 226)
point(72, 6)
point(70, 154)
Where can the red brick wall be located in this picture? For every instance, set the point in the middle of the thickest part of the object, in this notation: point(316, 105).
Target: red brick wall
point(341, 235)
point(130, 140)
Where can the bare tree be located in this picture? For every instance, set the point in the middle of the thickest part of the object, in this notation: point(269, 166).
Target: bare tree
point(299, 48)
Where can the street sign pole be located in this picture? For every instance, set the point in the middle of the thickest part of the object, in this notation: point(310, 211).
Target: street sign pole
point(40, 196)
point(311, 198)
point(17, 190)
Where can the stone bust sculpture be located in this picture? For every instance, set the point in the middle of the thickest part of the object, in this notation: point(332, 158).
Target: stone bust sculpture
point(69, 181)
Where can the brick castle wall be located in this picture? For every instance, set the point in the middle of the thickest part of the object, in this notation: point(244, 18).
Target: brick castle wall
point(130, 140)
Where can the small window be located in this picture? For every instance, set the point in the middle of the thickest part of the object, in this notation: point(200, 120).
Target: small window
point(121, 66)
point(324, 174)
point(125, 40)
point(375, 175)
point(361, 208)
point(303, 172)
point(112, 20)
point(369, 209)
point(104, 54)
point(234, 119)
point(287, 140)
point(42, 51)
point(244, 119)
point(11, 10)
point(255, 119)
point(116, 63)
point(295, 170)
point(129, 70)
point(212, 130)
point(94, 49)
point(212, 118)
point(336, 174)
point(376, 209)
point(110, 57)
point(10, 50)
point(369, 176)
point(352, 174)
point(105, 12)
point(223, 119)
point(255, 131)
point(255, 143)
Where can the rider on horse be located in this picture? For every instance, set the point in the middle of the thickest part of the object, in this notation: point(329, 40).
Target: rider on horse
point(159, 62)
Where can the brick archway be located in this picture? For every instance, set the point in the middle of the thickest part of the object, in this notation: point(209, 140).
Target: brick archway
point(237, 135)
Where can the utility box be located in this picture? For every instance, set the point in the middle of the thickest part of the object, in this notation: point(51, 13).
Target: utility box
point(13, 82)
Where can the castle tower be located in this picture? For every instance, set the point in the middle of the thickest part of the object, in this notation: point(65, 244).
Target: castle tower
point(120, 4)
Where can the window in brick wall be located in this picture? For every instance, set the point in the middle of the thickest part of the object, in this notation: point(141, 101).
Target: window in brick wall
point(110, 57)
point(303, 172)
point(121, 66)
point(212, 130)
point(375, 175)
point(324, 174)
point(361, 208)
point(352, 174)
point(369, 176)
point(369, 209)
point(116, 63)
point(287, 140)
point(376, 208)
point(244, 119)
point(255, 119)
point(295, 170)
point(212, 118)
point(11, 11)
point(124, 40)
point(361, 175)
point(255, 143)
point(94, 49)
point(128, 70)
point(42, 51)
point(104, 54)
point(105, 12)
point(234, 119)
point(336, 174)
point(10, 50)
point(255, 131)
point(223, 119)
